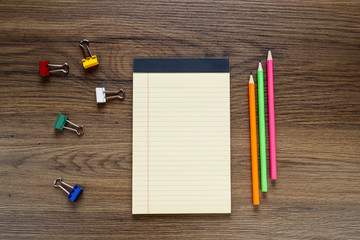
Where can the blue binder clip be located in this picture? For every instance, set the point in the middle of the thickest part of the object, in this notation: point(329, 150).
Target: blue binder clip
point(74, 192)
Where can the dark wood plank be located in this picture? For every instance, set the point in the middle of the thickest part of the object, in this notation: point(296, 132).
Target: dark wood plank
point(316, 47)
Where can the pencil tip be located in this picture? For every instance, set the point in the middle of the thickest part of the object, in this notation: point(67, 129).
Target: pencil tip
point(269, 55)
point(250, 73)
point(260, 66)
point(251, 79)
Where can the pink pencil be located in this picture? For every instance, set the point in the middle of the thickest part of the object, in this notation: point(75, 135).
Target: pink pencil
point(270, 74)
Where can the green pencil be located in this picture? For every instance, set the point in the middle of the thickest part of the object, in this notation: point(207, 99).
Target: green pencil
point(260, 74)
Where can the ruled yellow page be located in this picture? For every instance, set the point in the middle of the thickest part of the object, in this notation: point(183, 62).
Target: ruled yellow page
point(181, 143)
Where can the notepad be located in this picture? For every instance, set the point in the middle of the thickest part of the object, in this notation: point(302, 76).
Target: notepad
point(181, 136)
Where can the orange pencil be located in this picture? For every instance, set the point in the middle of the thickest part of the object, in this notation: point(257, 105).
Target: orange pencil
point(254, 157)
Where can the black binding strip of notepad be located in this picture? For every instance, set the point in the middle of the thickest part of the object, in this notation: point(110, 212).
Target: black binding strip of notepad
point(181, 65)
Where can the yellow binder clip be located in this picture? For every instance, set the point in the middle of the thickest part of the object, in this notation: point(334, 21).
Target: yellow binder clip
point(90, 61)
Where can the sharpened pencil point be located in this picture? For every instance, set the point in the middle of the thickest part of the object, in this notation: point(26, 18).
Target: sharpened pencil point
point(269, 55)
point(260, 67)
point(251, 79)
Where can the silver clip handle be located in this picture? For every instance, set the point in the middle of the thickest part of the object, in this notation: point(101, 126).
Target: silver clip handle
point(75, 130)
point(121, 94)
point(62, 68)
point(60, 185)
point(87, 42)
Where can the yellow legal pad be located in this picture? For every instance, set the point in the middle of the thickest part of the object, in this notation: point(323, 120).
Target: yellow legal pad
point(181, 136)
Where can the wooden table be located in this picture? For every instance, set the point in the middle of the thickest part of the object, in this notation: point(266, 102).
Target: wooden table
point(316, 50)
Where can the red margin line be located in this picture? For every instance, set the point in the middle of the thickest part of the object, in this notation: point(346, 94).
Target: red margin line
point(148, 143)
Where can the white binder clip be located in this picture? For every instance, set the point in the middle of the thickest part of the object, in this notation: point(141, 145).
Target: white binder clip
point(101, 95)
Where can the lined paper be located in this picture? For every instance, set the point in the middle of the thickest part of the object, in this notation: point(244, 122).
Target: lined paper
point(181, 143)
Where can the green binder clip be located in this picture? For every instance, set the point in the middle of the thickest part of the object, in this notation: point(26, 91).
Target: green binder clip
point(63, 119)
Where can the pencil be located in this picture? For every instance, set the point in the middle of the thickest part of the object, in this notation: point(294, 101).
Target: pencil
point(272, 142)
point(254, 157)
point(260, 74)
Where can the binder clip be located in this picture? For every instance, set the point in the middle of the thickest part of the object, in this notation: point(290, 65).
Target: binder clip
point(44, 68)
point(74, 192)
point(63, 119)
point(101, 95)
point(90, 61)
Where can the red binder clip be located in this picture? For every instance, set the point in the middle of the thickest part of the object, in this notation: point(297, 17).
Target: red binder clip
point(45, 71)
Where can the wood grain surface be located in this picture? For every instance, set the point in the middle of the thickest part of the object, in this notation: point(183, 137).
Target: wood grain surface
point(316, 50)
